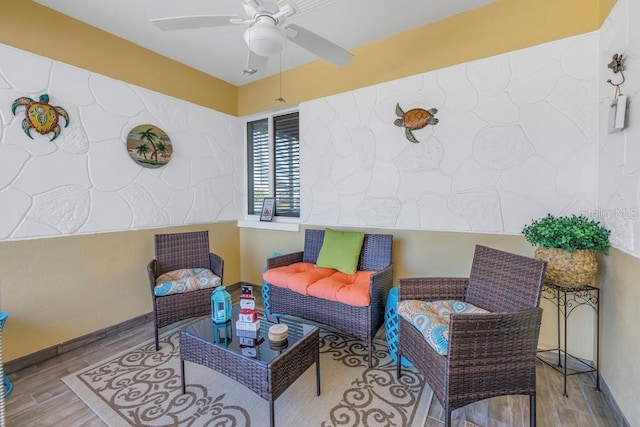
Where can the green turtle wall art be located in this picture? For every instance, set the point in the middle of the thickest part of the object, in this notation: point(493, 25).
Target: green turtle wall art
point(414, 119)
point(41, 116)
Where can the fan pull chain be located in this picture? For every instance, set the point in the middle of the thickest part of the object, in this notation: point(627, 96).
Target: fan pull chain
point(280, 98)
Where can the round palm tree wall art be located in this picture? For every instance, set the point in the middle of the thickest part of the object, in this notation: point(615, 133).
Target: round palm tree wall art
point(149, 146)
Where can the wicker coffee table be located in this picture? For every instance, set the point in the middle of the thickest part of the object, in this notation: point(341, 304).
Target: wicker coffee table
point(263, 368)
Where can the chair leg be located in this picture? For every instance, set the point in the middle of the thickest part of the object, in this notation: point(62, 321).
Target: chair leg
point(532, 411)
point(370, 350)
point(398, 365)
point(447, 419)
point(155, 325)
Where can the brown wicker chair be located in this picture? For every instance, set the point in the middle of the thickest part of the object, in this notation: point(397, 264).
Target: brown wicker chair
point(361, 322)
point(175, 251)
point(489, 354)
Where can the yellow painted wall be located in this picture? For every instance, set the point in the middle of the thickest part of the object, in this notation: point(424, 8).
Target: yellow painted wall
point(57, 289)
point(38, 29)
point(415, 253)
point(499, 27)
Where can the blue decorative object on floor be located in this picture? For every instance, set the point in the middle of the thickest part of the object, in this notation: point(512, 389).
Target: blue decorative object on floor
point(7, 384)
point(265, 290)
point(391, 325)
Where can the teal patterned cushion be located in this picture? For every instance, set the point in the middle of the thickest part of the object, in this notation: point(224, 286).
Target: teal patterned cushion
point(432, 319)
point(185, 280)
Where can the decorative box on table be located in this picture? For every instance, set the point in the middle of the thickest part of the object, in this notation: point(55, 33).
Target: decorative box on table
point(247, 326)
point(247, 315)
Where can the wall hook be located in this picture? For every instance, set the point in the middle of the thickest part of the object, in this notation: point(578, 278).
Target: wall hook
point(616, 66)
point(616, 84)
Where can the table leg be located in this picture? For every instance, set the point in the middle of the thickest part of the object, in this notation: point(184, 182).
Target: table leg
point(318, 375)
point(271, 416)
point(182, 375)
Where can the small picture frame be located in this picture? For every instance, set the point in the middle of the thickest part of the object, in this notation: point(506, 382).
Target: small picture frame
point(268, 209)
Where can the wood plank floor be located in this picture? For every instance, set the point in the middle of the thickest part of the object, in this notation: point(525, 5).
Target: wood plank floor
point(40, 398)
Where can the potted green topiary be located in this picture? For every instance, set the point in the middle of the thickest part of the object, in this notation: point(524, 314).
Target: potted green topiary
point(569, 244)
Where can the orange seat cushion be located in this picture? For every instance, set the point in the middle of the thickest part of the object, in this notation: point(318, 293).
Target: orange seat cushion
point(297, 276)
point(350, 289)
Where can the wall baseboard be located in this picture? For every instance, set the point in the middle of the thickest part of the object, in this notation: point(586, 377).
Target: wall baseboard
point(59, 349)
point(620, 419)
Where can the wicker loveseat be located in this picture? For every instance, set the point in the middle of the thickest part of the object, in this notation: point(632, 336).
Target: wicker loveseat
point(360, 321)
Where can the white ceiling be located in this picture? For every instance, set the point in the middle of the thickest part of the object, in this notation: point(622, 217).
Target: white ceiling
point(222, 53)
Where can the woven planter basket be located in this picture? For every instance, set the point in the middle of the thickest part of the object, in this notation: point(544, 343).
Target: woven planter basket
point(568, 269)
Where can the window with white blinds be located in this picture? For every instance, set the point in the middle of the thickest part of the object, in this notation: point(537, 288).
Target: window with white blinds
point(273, 149)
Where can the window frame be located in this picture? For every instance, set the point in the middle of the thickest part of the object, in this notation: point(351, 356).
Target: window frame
point(252, 220)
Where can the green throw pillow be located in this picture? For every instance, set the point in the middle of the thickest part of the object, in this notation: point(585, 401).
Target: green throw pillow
point(340, 250)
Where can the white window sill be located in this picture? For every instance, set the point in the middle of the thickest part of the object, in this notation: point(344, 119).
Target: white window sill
point(274, 225)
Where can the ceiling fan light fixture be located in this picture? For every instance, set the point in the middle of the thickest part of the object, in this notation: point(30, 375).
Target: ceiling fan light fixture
point(264, 38)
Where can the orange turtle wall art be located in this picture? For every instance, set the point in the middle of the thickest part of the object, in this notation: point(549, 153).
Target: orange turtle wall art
point(41, 116)
point(415, 119)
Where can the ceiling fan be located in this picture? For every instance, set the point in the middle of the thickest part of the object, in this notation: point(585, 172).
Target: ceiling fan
point(266, 34)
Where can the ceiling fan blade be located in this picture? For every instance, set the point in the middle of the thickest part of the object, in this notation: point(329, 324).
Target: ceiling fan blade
point(319, 46)
point(196, 21)
point(256, 64)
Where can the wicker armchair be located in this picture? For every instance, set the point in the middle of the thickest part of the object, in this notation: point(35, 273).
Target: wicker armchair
point(490, 354)
point(175, 251)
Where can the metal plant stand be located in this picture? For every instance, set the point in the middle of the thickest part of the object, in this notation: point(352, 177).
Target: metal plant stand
point(567, 299)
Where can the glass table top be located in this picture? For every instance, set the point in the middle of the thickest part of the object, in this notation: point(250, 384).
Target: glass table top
point(254, 345)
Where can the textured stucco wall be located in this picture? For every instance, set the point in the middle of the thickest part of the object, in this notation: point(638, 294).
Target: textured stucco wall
point(516, 139)
point(85, 181)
